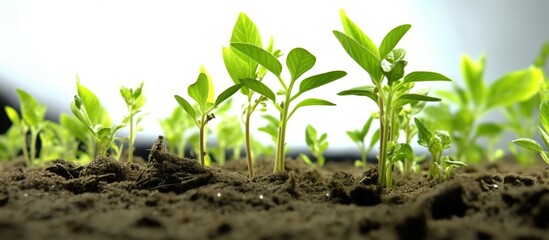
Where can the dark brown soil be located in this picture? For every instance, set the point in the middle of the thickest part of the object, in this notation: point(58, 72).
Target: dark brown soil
point(172, 198)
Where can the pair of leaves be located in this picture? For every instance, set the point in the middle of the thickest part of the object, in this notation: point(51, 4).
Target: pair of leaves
point(200, 92)
point(363, 50)
point(133, 97)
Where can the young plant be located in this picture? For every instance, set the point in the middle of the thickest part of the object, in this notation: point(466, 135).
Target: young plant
point(240, 67)
point(532, 144)
point(33, 119)
point(134, 102)
point(202, 91)
point(359, 138)
point(317, 145)
point(391, 87)
point(298, 61)
point(477, 99)
point(11, 142)
point(87, 108)
point(440, 166)
point(176, 128)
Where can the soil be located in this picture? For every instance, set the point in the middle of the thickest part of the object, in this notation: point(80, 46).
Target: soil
point(174, 198)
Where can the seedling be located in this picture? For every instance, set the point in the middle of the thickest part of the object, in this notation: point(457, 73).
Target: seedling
point(532, 144)
point(134, 102)
point(11, 142)
point(87, 108)
point(390, 95)
point(298, 62)
point(176, 128)
point(202, 91)
point(33, 119)
point(440, 166)
point(359, 138)
point(317, 145)
point(242, 67)
point(77, 130)
point(477, 99)
point(229, 135)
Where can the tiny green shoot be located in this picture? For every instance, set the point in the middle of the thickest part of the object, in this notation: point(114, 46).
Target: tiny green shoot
point(202, 91)
point(32, 118)
point(134, 102)
point(440, 166)
point(87, 108)
point(358, 136)
point(317, 145)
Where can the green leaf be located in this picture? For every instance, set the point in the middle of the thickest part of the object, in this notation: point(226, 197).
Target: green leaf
point(412, 97)
point(528, 144)
point(311, 102)
point(425, 77)
point(354, 136)
point(367, 91)
point(12, 115)
point(364, 57)
point(299, 61)
point(261, 56)
point(310, 135)
point(450, 96)
point(375, 138)
point(473, 76)
point(31, 112)
point(246, 31)
point(544, 136)
point(227, 94)
point(545, 156)
point(353, 31)
point(514, 87)
point(315, 81)
point(366, 128)
point(186, 106)
point(424, 134)
point(391, 39)
point(199, 90)
point(544, 114)
point(393, 72)
point(91, 103)
point(260, 88)
point(236, 67)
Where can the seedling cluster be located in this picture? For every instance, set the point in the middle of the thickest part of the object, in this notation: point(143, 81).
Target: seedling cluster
point(258, 73)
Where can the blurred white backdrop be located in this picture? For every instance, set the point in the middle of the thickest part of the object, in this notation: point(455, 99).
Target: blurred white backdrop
point(44, 44)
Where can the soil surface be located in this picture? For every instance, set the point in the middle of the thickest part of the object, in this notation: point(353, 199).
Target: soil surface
point(173, 198)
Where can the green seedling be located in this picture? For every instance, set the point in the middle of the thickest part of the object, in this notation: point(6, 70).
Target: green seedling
point(532, 144)
point(33, 119)
point(440, 166)
point(359, 138)
point(87, 108)
point(317, 145)
point(11, 142)
point(134, 102)
point(391, 87)
point(202, 91)
point(229, 135)
point(240, 66)
point(477, 99)
point(176, 128)
point(298, 61)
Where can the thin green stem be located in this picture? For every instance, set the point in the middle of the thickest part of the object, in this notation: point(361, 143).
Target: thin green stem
point(201, 139)
point(131, 140)
point(248, 144)
point(25, 145)
point(34, 136)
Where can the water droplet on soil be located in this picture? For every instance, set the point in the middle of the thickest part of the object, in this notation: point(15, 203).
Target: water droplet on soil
point(218, 194)
point(261, 196)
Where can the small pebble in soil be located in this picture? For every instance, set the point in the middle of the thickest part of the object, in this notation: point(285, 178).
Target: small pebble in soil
point(495, 186)
point(327, 194)
point(218, 194)
point(25, 195)
point(261, 196)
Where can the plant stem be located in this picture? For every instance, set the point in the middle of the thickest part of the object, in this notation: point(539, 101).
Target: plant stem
point(25, 146)
point(34, 135)
point(131, 140)
point(201, 139)
point(382, 143)
point(248, 144)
